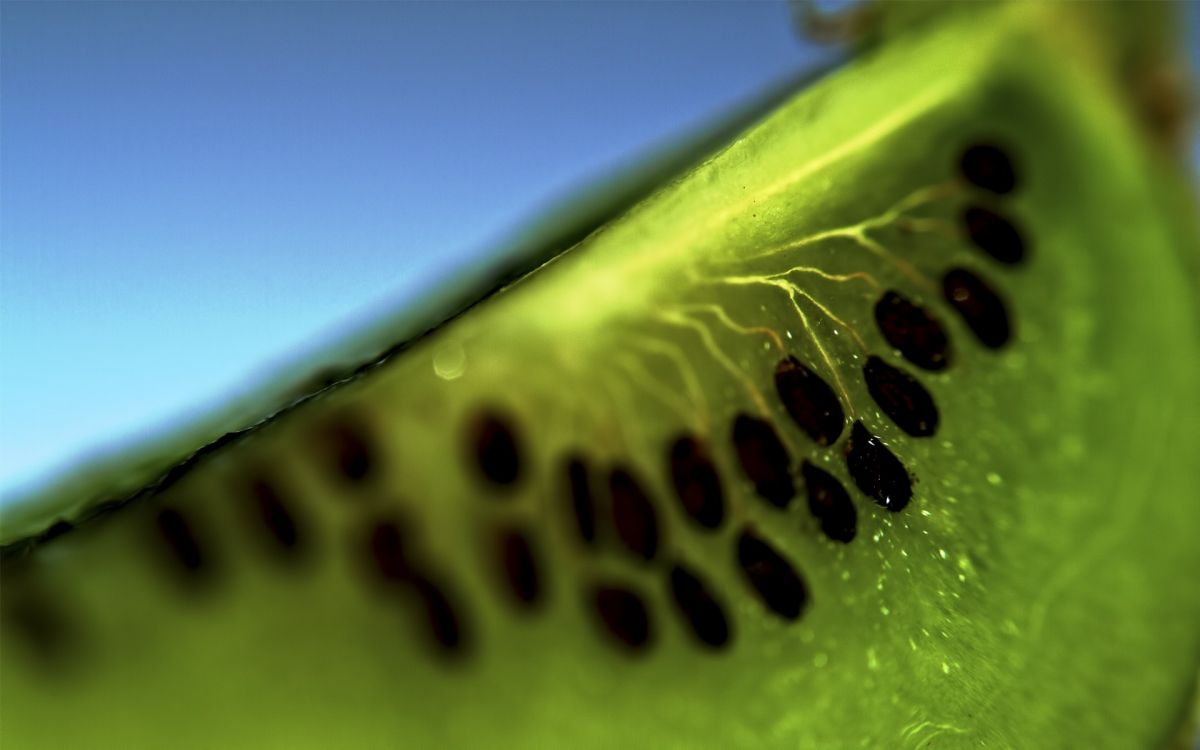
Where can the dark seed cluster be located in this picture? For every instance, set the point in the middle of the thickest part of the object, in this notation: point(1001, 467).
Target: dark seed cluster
point(988, 167)
point(611, 506)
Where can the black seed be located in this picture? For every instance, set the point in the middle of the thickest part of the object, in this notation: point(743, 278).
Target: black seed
point(694, 601)
point(829, 503)
point(443, 622)
point(496, 450)
point(633, 515)
point(764, 459)
point(987, 166)
point(351, 453)
point(810, 401)
point(623, 615)
point(994, 234)
point(174, 529)
point(274, 517)
point(388, 557)
point(980, 307)
point(582, 504)
point(901, 397)
point(696, 482)
point(390, 563)
point(772, 577)
point(520, 570)
point(876, 470)
point(913, 331)
point(41, 625)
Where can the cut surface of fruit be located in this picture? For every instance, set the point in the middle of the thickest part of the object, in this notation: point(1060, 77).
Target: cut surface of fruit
point(875, 429)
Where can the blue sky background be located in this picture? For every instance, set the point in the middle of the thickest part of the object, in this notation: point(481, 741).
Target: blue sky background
point(192, 192)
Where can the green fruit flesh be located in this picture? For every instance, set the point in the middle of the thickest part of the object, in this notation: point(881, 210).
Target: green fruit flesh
point(1037, 591)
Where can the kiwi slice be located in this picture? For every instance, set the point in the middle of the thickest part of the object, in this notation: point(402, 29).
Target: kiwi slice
point(877, 428)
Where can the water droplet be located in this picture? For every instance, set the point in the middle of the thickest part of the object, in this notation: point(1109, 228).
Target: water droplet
point(450, 362)
point(994, 479)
